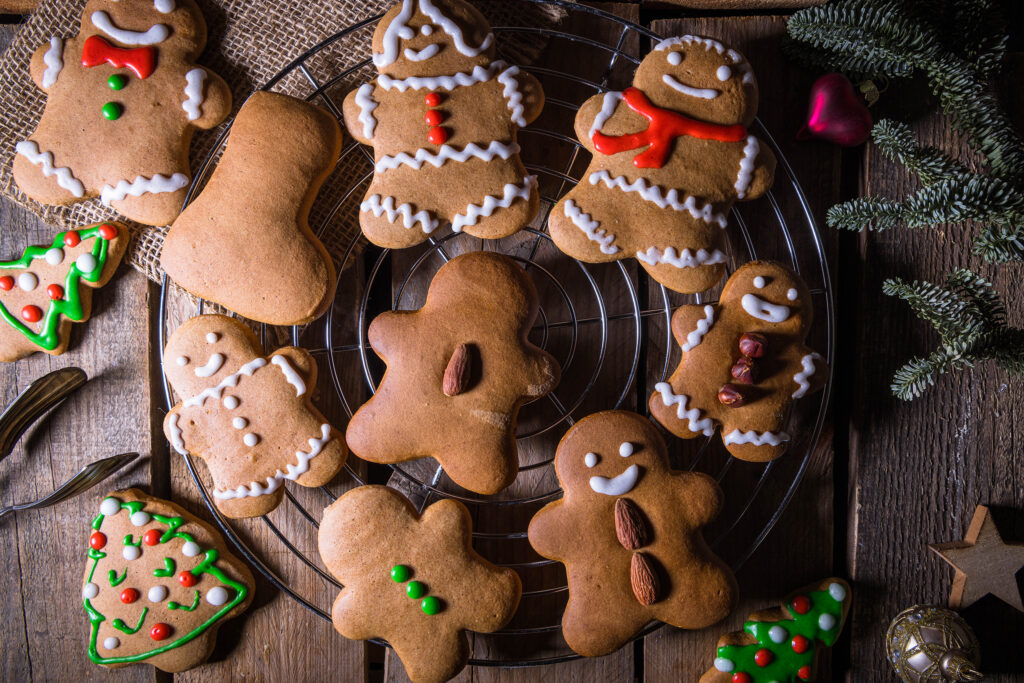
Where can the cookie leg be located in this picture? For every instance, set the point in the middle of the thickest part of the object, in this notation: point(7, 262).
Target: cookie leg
point(502, 213)
point(677, 273)
point(756, 442)
point(393, 222)
point(153, 199)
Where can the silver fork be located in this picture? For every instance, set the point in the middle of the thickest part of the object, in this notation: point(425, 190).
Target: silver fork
point(87, 477)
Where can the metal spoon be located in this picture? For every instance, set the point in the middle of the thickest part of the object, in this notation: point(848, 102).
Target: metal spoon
point(36, 399)
point(87, 477)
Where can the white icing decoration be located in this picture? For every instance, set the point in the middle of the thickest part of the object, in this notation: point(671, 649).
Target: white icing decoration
point(54, 256)
point(479, 74)
point(395, 30)
point(724, 665)
point(734, 57)
point(618, 485)
point(139, 518)
point(426, 29)
point(190, 549)
point(703, 325)
point(239, 423)
point(452, 29)
point(410, 217)
point(802, 377)
point(590, 227)
point(141, 185)
point(256, 488)
point(692, 417)
point(229, 381)
point(194, 93)
point(759, 282)
point(212, 337)
point(792, 294)
point(702, 93)
point(446, 153)
point(778, 634)
point(86, 262)
point(687, 259)
point(611, 101)
point(231, 402)
point(664, 200)
point(675, 58)
point(510, 193)
point(366, 103)
point(625, 449)
point(157, 33)
point(826, 622)
point(182, 361)
point(130, 552)
point(28, 281)
point(90, 591)
point(111, 643)
point(175, 435)
point(837, 591)
point(758, 308)
point(110, 506)
point(512, 96)
point(723, 73)
point(65, 178)
point(746, 172)
point(590, 459)
point(421, 55)
point(289, 374)
point(164, 6)
point(251, 439)
point(213, 364)
point(157, 594)
point(755, 438)
point(54, 61)
point(217, 596)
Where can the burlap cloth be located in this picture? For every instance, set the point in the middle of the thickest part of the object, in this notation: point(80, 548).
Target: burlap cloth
point(250, 41)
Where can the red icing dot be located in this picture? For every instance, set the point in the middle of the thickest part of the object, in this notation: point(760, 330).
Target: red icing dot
point(801, 604)
point(433, 99)
point(741, 677)
point(159, 631)
point(437, 135)
point(129, 595)
point(187, 579)
point(72, 238)
point(433, 117)
point(151, 537)
point(6, 283)
point(32, 314)
point(108, 231)
point(763, 657)
point(800, 644)
point(97, 540)
point(804, 673)
point(55, 292)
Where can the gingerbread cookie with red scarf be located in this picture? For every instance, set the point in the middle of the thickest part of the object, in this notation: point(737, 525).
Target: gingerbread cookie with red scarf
point(671, 155)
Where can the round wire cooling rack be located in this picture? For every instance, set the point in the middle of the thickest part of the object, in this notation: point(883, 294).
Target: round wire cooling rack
point(608, 325)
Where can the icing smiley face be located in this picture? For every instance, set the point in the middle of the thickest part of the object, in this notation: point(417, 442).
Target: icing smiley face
point(163, 24)
point(620, 484)
point(770, 295)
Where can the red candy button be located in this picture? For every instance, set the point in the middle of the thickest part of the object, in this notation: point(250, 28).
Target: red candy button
point(187, 579)
point(741, 677)
point(72, 238)
point(55, 292)
point(32, 314)
point(804, 673)
point(6, 283)
point(801, 604)
point(129, 595)
point(800, 644)
point(159, 631)
point(433, 99)
point(97, 540)
point(151, 537)
point(437, 135)
point(108, 231)
point(433, 117)
point(763, 657)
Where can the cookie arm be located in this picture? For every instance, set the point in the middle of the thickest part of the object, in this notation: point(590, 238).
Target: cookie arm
point(691, 322)
point(530, 94)
point(810, 375)
point(179, 432)
point(215, 98)
point(359, 112)
point(38, 65)
point(585, 119)
point(764, 172)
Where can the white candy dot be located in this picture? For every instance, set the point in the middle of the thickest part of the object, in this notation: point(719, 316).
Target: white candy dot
point(724, 73)
point(251, 439)
point(111, 643)
point(626, 449)
point(230, 402)
point(426, 29)
point(239, 423)
point(724, 665)
point(86, 262)
point(90, 590)
point(792, 294)
point(590, 459)
point(157, 594)
point(826, 622)
point(777, 634)
point(28, 281)
point(131, 552)
point(190, 549)
point(110, 506)
point(837, 591)
point(54, 256)
point(675, 58)
point(759, 282)
point(140, 518)
point(211, 337)
point(217, 596)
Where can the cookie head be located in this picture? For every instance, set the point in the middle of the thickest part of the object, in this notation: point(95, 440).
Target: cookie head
point(701, 78)
point(431, 38)
point(205, 350)
point(774, 298)
point(160, 24)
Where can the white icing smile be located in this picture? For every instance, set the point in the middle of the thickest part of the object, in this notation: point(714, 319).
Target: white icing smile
point(703, 93)
point(616, 486)
point(421, 55)
point(157, 33)
point(762, 310)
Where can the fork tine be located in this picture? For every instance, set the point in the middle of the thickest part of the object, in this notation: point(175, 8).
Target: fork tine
point(87, 477)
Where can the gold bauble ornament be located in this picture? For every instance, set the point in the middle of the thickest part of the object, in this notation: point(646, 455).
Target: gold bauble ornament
point(927, 644)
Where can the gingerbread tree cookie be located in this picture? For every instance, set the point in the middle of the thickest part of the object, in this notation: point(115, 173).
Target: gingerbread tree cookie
point(744, 363)
point(629, 534)
point(123, 99)
point(249, 416)
point(50, 287)
point(671, 155)
point(413, 580)
point(158, 584)
point(458, 370)
point(782, 644)
point(442, 118)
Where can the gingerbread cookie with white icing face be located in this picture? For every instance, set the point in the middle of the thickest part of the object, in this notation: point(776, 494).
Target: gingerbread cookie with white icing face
point(628, 531)
point(442, 118)
point(124, 97)
point(744, 363)
point(671, 155)
point(249, 416)
point(158, 584)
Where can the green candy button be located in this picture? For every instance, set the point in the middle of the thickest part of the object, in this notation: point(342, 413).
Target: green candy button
point(416, 590)
point(117, 81)
point(400, 573)
point(431, 605)
point(112, 111)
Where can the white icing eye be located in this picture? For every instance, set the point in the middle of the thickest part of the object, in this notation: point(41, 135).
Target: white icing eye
point(182, 361)
point(239, 423)
point(164, 6)
point(792, 294)
point(426, 29)
point(724, 73)
point(250, 439)
point(28, 281)
point(211, 337)
point(675, 58)
point(110, 506)
point(157, 594)
point(231, 402)
point(54, 256)
point(626, 449)
point(759, 282)
point(217, 596)
point(590, 459)
point(140, 518)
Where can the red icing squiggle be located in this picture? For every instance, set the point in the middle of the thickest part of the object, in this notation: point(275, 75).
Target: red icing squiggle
point(96, 51)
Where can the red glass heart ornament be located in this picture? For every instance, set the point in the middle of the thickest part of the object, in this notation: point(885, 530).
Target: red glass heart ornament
point(836, 113)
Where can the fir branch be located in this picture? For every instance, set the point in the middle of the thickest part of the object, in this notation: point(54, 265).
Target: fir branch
point(958, 199)
point(865, 213)
point(1000, 243)
point(911, 380)
point(898, 143)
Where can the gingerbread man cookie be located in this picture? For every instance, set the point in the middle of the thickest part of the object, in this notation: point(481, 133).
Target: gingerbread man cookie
point(413, 579)
point(458, 370)
point(249, 416)
point(50, 287)
point(744, 363)
point(158, 584)
point(671, 155)
point(629, 534)
point(123, 99)
point(442, 118)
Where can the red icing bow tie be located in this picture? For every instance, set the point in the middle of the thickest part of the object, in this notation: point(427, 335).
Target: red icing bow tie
point(663, 128)
point(96, 51)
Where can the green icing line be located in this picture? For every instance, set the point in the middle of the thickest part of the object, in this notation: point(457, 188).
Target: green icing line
point(178, 605)
point(71, 306)
point(128, 541)
point(121, 626)
point(168, 569)
point(114, 579)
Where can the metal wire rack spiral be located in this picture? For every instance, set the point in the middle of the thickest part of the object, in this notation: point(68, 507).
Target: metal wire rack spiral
point(607, 324)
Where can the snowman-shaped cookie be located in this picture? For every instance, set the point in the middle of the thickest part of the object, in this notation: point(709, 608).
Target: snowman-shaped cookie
point(671, 155)
point(123, 99)
point(249, 416)
point(442, 118)
point(744, 363)
point(628, 531)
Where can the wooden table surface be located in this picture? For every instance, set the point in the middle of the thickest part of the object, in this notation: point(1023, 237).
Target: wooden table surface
point(887, 478)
